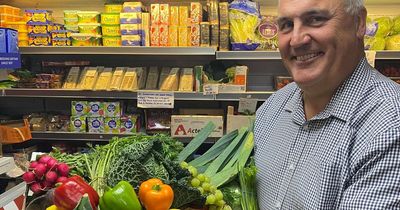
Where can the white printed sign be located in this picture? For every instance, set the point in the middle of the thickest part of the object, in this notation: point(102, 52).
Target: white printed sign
point(155, 100)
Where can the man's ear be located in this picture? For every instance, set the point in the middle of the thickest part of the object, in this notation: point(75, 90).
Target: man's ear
point(361, 23)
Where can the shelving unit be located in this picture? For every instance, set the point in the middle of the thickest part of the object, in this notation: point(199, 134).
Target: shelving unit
point(13, 198)
point(6, 164)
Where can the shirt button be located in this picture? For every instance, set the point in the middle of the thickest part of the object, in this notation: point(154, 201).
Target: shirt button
point(278, 205)
point(305, 127)
point(291, 167)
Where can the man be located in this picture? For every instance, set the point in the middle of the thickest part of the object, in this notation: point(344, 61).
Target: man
point(331, 139)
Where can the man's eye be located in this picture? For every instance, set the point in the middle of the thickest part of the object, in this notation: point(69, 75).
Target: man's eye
point(286, 26)
point(316, 20)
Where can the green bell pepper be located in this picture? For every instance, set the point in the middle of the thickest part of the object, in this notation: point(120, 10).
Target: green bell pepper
point(121, 197)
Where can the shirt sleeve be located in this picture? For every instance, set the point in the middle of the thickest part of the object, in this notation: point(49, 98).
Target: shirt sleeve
point(375, 182)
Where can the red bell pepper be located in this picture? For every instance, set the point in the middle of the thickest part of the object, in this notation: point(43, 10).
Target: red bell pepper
point(69, 193)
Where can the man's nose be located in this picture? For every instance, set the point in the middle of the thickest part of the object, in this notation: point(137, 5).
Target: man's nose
point(299, 37)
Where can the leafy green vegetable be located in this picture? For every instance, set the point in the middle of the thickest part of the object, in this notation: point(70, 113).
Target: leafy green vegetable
point(247, 178)
point(232, 195)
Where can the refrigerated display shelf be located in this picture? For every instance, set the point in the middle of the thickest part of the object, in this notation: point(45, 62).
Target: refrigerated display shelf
point(77, 94)
point(100, 137)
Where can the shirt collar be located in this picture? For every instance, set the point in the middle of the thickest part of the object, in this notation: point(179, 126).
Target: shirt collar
point(342, 102)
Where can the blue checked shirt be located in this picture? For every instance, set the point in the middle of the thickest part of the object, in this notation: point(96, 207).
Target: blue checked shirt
point(346, 157)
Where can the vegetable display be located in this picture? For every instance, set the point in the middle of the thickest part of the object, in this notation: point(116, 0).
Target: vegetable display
point(120, 197)
point(156, 195)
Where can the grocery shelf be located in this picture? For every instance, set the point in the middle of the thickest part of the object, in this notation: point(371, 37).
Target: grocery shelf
point(387, 54)
point(6, 164)
point(248, 55)
point(260, 96)
point(68, 50)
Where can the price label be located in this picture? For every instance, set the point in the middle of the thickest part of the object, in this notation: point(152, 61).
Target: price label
point(155, 100)
point(371, 57)
point(247, 105)
point(210, 89)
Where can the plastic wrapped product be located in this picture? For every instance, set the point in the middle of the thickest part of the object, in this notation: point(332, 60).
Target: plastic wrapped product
point(130, 80)
point(186, 81)
point(171, 83)
point(204, 34)
point(152, 78)
point(117, 78)
point(104, 79)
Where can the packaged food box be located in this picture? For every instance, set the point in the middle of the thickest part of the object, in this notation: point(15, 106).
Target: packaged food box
point(241, 75)
point(145, 29)
point(90, 28)
point(142, 76)
point(9, 18)
point(224, 38)
point(155, 14)
point(95, 124)
point(12, 41)
point(196, 12)
point(85, 39)
point(183, 15)
point(20, 26)
point(128, 124)
point(72, 28)
point(164, 14)
point(163, 75)
point(131, 29)
point(71, 21)
point(213, 15)
point(88, 16)
point(174, 15)
point(6, 9)
point(38, 16)
point(171, 83)
point(72, 79)
point(131, 40)
point(158, 120)
point(191, 125)
point(23, 43)
point(38, 28)
point(79, 108)
point(61, 42)
point(112, 125)
point(282, 81)
point(117, 78)
point(71, 14)
point(186, 81)
point(223, 13)
point(56, 27)
point(111, 30)
point(130, 18)
point(163, 29)
point(113, 8)
point(154, 35)
point(112, 109)
point(3, 40)
point(39, 40)
point(110, 18)
point(104, 79)
point(88, 78)
point(132, 6)
point(78, 124)
point(60, 34)
point(214, 35)
point(183, 35)
point(152, 78)
point(112, 41)
point(195, 35)
point(130, 82)
point(173, 36)
point(96, 109)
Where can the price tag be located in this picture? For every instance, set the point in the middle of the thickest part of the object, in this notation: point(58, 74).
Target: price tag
point(210, 89)
point(247, 105)
point(155, 100)
point(371, 57)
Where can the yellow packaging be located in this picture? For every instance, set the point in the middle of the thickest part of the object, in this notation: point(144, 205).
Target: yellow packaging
point(39, 40)
point(183, 15)
point(88, 80)
point(61, 42)
point(196, 12)
point(113, 8)
point(183, 36)
point(38, 29)
point(163, 29)
point(186, 81)
point(132, 6)
point(90, 28)
point(223, 14)
point(19, 26)
point(85, 40)
point(71, 14)
point(164, 14)
point(23, 43)
point(41, 16)
point(104, 79)
point(174, 15)
point(71, 21)
point(72, 79)
point(23, 36)
point(155, 14)
point(112, 41)
point(88, 17)
point(130, 80)
point(213, 12)
point(146, 29)
point(72, 28)
point(154, 35)
point(111, 30)
point(152, 78)
point(173, 36)
point(5, 9)
point(117, 78)
point(195, 35)
point(172, 81)
point(214, 40)
point(110, 18)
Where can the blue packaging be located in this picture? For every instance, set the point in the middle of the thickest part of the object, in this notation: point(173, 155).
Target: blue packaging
point(12, 41)
point(3, 40)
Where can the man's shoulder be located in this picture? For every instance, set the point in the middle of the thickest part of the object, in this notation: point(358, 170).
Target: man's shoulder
point(280, 97)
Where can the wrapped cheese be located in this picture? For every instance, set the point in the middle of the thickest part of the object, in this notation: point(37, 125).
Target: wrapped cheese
point(88, 79)
point(130, 80)
point(142, 76)
point(163, 75)
point(104, 79)
point(117, 78)
point(171, 83)
point(152, 78)
point(186, 81)
point(72, 79)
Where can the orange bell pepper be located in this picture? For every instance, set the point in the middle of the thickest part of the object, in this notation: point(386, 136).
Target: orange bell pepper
point(155, 195)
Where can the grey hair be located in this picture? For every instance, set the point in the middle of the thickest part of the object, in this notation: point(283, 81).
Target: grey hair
point(353, 7)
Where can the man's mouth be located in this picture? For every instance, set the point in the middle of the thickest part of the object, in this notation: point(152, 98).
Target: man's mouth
point(307, 57)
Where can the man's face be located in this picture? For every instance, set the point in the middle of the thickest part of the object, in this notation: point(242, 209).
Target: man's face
point(317, 41)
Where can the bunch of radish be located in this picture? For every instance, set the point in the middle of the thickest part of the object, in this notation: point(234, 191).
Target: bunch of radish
point(45, 173)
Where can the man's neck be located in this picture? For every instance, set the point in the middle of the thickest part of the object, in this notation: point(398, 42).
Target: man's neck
point(314, 104)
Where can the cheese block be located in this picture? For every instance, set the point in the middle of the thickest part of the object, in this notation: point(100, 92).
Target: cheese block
point(186, 81)
point(130, 80)
point(88, 78)
point(117, 78)
point(142, 76)
point(171, 83)
point(152, 78)
point(104, 79)
point(72, 79)
point(163, 75)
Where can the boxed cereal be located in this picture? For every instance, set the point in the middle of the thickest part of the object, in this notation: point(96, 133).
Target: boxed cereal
point(38, 28)
point(78, 124)
point(112, 125)
point(95, 124)
point(163, 29)
point(164, 14)
point(154, 14)
point(196, 12)
point(154, 35)
point(79, 108)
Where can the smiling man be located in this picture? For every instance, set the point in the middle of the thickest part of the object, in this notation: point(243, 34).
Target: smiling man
point(331, 139)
